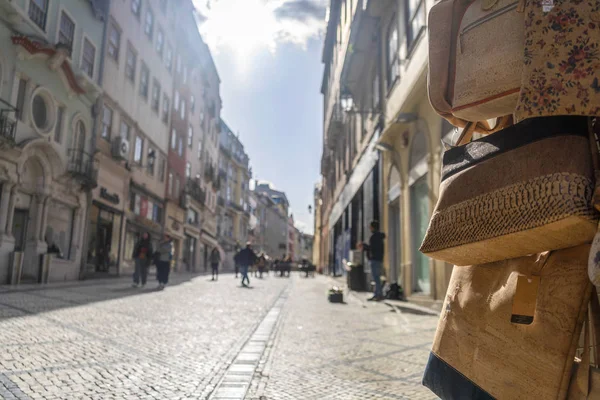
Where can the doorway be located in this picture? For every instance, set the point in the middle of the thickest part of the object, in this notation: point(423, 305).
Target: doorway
point(19, 228)
point(419, 205)
point(395, 241)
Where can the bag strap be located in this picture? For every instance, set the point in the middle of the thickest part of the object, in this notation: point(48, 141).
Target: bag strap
point(482, 126)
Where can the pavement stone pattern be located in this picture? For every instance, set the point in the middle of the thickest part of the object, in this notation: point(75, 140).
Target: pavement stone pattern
point(106, 340)
point(357, 350)
point(110, 341)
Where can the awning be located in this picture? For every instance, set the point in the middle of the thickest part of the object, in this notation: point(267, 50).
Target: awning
point(359, 174)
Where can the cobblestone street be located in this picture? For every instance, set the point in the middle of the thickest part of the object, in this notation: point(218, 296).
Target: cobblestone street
point(199, 339)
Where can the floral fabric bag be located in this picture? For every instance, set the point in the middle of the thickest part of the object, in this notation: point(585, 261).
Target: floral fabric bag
point(561, 69)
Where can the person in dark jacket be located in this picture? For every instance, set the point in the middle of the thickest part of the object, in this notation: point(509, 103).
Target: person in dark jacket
point(375, 251)
point(215, 259)
point(164, 256)
point(246, 258)
point(142, 256)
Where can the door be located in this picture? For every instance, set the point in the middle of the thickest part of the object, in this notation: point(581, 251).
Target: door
point(419, 204)
point(19, 228)
point(103, 243)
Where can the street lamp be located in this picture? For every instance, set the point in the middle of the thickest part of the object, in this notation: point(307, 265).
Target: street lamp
point(309, 209)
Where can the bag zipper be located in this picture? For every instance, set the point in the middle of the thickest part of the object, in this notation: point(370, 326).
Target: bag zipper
point(485, 19)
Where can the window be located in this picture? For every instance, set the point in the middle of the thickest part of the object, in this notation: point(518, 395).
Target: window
point(38, 12)
point(176, 101)
point(151, 160)
point(80, 138)
point(114, 42)
point(415, 21)
point(136, 7)
point(163, 6)
point(131, 62)
point(161, 170)
point(39, 108)
point(66, 32)
point(392, 54)
point(169, 58)
point(177, 187)
point(199, 150)
point(173, 139)
point(165, 115)
point(184, 74)
point(125, 130)
point(182, 109)
point(375, 93)
point(180, 146)
point(190, 136)
point(88, 57)
point(160, 41)
point(59, 123)
point(149, 26)
point(107, 115)
point(144, 78)
point(139, 147)
point(192, 104)
point(21, 98)
point(188, 170)
point(155, 96)
point(170, 189)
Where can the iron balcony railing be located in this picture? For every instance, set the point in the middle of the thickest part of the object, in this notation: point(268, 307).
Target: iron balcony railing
point(8, 125)
point(195, 191)
point(83, 167)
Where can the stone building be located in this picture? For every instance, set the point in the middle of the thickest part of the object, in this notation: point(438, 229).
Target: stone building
point(50, 68)
point(382, 139)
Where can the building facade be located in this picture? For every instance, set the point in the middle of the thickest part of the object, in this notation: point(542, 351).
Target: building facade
point(50, 66)
point(233, 214)
point(376, 67)
point(273, 225)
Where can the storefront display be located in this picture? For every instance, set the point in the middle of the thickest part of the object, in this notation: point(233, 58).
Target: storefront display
point(104, 238)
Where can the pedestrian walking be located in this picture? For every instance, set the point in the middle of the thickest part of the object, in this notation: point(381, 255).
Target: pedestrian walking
point(246, 258)
point(375, 251)
point(215, 259)
point(164, 255)
point(142, 256)
point(262, 262)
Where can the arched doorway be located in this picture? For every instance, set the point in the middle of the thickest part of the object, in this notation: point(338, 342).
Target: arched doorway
point(394, 225)
point(419, 212)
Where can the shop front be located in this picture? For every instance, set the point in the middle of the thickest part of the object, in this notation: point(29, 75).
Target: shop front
point(145, 215)
point(174, 223)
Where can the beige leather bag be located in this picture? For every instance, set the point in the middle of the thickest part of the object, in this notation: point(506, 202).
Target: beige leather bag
point(475, 58)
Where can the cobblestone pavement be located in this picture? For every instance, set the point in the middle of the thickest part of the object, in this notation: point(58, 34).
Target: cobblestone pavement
point(357, 350)
point(105, 340)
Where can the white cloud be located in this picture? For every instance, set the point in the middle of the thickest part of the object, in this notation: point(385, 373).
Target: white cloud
point(245, 26)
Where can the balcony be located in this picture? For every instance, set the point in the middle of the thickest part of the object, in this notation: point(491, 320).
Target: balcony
point(8, 125)
point(83, 167)
point(193, 189)
point(336, 125)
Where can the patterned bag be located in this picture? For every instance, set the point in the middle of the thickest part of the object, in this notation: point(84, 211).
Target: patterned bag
point(562, 59)
point(515, 192)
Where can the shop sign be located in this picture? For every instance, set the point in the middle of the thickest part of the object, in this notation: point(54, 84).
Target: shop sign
point(110, 197)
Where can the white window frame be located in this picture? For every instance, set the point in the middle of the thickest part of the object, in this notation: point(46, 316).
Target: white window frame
point(114, 26)
point(68, 14)
point(135, 63)
point(138, 139)
point(173, 139)
point(147, 94)
point(149, 32)
point(83, 39)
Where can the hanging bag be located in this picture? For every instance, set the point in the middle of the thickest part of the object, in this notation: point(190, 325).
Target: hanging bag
point(523, 190)
point(509, 329)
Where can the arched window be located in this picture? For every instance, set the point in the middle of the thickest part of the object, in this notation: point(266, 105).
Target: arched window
point(80, 135)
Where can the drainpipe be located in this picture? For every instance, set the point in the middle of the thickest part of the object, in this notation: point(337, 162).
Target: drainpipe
point(96, 112)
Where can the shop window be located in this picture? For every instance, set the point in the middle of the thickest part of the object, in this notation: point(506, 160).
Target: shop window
point(131, 238)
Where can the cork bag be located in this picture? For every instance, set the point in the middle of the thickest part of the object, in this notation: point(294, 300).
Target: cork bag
point(484, 348)
point(463, 85)
point(515, 192)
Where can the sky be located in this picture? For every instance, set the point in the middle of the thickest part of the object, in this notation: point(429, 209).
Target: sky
point(268, 54)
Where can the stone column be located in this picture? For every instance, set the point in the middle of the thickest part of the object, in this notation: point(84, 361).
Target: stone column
point(43, 217)
point(11, 210)
point(4, 204)
point(76, 238)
